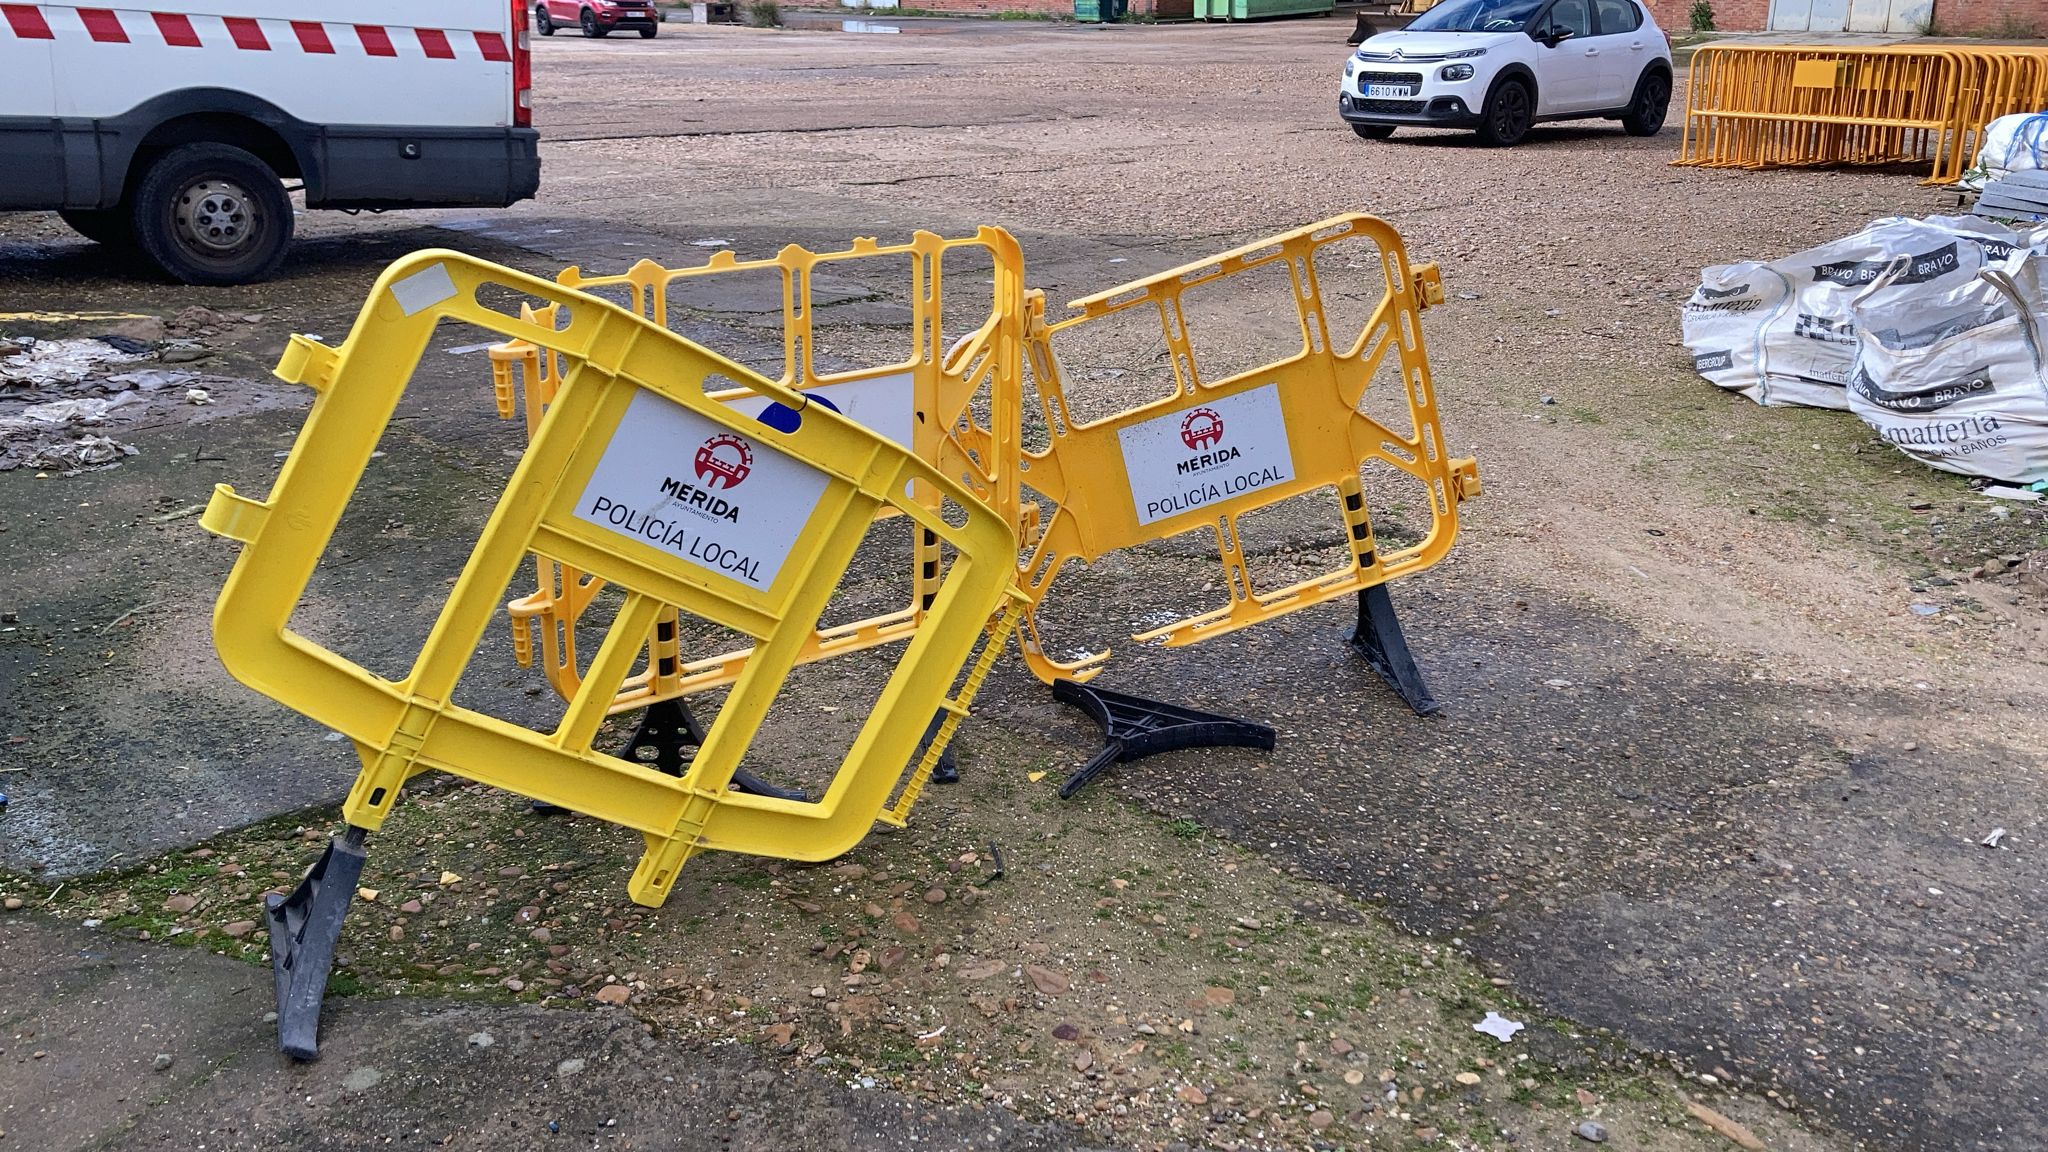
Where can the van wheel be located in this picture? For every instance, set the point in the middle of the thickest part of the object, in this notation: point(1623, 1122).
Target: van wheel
point(112, 227)
point(1509, 113)
point(542, 22)
point(212, 214)
point(1646, 112)
point(590, 28)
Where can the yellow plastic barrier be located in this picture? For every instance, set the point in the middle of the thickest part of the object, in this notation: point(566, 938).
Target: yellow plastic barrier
point(748, 526)
point(1756, 106)
point(931, 402)
point(1217, 449)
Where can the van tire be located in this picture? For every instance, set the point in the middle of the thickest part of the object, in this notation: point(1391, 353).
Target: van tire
point(113, 227)
point(212, 214)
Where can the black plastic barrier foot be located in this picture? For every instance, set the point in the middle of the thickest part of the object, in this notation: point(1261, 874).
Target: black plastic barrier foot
point(1378, 638)
point(1136, 727)
point(666, 731)
point(304, 929)
point(947, 770)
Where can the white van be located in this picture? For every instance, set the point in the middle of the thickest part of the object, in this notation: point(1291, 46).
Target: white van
point(172, 126)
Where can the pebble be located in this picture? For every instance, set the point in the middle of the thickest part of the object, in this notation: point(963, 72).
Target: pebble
point(1249, 923)
point(1047, 981)
point(1468, 1078)
point(614, 994)
point(163, 1060)
point(1321, 1118)
point(540, 935)
point(14, 903)
point(179, 905)
point(481, 1039)
point(935, 896)
point(238, 929)
point(819, 992)
point(569, 1067)
point(1591, 1131)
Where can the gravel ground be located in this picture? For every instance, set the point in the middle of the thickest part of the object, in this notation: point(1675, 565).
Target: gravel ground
point(1704, 780)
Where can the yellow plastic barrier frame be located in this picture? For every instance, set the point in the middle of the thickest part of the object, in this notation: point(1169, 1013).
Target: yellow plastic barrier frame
point(745, 525)
point(926, 402)
point(1215, 450)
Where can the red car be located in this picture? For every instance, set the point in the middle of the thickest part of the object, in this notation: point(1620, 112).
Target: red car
point(597, 17)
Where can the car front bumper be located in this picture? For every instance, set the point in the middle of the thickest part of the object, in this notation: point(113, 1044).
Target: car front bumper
point(1432, 111)
point(626, 18)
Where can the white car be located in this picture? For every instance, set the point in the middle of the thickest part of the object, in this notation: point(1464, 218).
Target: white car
point(1503, 65)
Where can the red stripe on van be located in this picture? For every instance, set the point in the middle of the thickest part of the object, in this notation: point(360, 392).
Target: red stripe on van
point(27, 21)
point(434, 43)
point(177, 30)
point(376, 41)
point(492, 46)
point(313, 38)
point(247, 33)
point(103, 26)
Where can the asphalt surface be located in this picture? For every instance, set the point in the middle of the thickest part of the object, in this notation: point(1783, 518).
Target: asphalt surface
point(1707, 788)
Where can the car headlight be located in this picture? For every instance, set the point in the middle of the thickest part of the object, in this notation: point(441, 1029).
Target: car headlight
point(1350, 65)
point(1465, 54)
point(1455, 72)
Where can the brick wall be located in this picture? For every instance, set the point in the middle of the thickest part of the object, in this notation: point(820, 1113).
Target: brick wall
point(982, 7)
point(2008, 17)
point(2020, 18)
point(1675, 16)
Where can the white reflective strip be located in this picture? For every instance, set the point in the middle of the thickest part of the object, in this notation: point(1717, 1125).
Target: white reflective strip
point(423, 290)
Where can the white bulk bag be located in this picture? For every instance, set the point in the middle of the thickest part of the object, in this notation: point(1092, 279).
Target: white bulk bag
point(1955, 378)
point(1781, 332)
point(2011, 144)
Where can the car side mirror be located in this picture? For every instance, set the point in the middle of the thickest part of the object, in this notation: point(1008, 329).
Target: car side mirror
point(1554, 36)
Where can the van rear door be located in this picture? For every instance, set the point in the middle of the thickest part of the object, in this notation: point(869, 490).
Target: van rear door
point(31, 142)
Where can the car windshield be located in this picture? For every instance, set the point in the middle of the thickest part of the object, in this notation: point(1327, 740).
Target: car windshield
point(1477, 16)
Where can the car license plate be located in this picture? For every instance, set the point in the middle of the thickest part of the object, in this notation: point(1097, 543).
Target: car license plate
point(1388, 91)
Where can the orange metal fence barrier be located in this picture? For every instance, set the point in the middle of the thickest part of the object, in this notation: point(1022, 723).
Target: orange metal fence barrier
point(1756, 106)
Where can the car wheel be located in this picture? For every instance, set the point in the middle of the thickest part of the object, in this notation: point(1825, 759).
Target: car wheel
point(212, 214)
point(1646, 112)
point(1373, 131)
point(1509, 112)
point(542, 22)
point(113, 227)
point(647, 33)
point(590, 28)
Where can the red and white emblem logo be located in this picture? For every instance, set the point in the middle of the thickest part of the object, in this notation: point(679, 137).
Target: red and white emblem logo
point(724, 461)
point(1203, 428)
